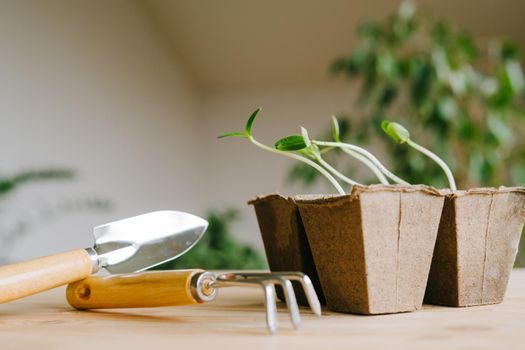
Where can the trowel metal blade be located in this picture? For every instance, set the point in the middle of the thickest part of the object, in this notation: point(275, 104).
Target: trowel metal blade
point(147, 240)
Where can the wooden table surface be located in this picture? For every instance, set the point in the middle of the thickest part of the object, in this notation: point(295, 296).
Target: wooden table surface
point(236, 321)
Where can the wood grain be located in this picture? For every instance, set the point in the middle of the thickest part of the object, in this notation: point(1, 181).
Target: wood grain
point(37, 275)
point(236, 320)
point(147, 289)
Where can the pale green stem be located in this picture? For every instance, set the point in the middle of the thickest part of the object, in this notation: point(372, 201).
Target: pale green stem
point(363, 160)
point(325, 150)
point(335, 172)
point(368, 163)
point(301, 159)
point(365, 153)
point(436, 159)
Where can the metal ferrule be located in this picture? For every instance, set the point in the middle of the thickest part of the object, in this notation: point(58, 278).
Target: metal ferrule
point(93, 256)
point(201, 287)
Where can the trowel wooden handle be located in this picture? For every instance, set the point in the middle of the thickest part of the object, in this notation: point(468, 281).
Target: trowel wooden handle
point(37, 275)
point(142, 289)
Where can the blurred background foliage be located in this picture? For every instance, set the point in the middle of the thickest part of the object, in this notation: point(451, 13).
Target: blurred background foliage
point(14, 229)
point(9, 183)
point(462, 98)
point(217, 249)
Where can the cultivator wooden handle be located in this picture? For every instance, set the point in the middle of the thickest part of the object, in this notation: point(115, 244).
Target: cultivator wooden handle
point(144, 289)
point(183, 287)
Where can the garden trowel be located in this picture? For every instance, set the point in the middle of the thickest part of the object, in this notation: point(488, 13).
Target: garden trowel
point(123, 246)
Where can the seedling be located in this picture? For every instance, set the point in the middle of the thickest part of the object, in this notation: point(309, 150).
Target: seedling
point(401, 135)
point(361, 154)
point(302, 145)
point(369, 164)
point(302, 148)
point(247, 134)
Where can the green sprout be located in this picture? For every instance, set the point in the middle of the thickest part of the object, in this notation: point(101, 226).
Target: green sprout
point(317, 154)
point(247, 134)
point(302, 145)
point(401, 135)
point(308, 148)
point(363, 159)
point(362, 154)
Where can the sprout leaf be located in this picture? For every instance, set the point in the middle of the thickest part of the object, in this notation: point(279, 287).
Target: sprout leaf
point(237, 134)
point(335, 129)
point(396, 131)
point(290, 143)
point(306, 138)
point(249, 123)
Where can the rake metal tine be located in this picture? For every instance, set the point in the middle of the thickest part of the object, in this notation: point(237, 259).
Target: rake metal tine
point(303, 279)
point(271, 307)
point(289, 295)
point(309, 290)
point(228, 280)
point(291, 301)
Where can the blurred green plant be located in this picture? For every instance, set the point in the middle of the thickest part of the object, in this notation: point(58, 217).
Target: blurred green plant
point(10, 183)
point(217, 250)
point(15, 229)
point(465, 98)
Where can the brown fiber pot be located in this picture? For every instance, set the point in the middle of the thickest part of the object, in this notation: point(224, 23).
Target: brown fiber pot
point(373, 247)
point(285, 241)
point(477, 243)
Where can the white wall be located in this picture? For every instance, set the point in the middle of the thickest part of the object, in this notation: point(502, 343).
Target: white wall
point(91, 85)
point(96, 86)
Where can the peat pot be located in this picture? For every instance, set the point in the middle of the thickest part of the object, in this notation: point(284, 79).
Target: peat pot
point(285, 241)
point(476, 246)
point(373, 247)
